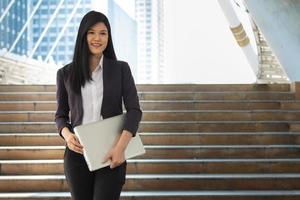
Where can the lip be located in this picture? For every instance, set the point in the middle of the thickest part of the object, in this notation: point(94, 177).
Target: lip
point(96, 45)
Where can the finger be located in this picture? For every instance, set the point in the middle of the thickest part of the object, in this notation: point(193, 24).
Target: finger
point(75, 149)
point(78, 145)
point(113, 165)
point(77, 142)
point(107, 157)
point(78, 150)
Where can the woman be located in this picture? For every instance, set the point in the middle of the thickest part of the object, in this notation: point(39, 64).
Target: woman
point(91, 88)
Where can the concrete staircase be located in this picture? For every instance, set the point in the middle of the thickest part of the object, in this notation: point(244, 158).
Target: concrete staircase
point(203, 142)
point(270, 70)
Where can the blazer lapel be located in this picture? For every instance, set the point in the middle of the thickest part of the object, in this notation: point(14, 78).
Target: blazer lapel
point(105, 76)
point(80, 107)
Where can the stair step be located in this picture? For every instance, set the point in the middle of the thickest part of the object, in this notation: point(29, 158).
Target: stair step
point(216, 95)
point(50, 96)
point(271, 67)
point(169, 195)
point(28, 105)
point(30, 139)
point(164, 87)
point(290, 105)
point(166, 105)
point(166, 195)
point(220, 115)
point(173, 115)
point(213, 87)
point(272, 72)
point(213, 126)
point(157, 166)
point(222, 138)
point(166, 151)
point(268, 53)
point(166, 126)
point(294, 127)
point(29, 88)
point(268, 58)
point(210, 105)
point(162, 182)
point(27, 96)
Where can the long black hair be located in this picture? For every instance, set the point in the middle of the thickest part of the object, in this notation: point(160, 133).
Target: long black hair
point(80, 71)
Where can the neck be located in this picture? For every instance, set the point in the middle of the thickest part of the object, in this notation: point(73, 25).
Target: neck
point(94, 61)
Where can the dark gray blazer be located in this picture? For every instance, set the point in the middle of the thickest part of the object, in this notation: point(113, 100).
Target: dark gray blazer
point(118, 84)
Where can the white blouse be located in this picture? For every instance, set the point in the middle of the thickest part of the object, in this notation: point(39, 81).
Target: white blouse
point(92, 96)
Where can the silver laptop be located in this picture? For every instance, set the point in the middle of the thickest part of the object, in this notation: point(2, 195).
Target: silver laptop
point(98, 138)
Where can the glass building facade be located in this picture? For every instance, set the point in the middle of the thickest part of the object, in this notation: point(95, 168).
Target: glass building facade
point(64, 49)
point(12, 23)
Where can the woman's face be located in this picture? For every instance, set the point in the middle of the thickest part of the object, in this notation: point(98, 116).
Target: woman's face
point(97, 37)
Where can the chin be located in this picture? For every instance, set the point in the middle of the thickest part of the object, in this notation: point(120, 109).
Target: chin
point(96, 53)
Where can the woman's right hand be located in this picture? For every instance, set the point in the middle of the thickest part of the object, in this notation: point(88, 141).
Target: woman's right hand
point(72, 141)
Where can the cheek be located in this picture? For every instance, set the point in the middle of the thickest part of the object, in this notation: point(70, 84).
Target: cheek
point(88, 39)
point(105, 41)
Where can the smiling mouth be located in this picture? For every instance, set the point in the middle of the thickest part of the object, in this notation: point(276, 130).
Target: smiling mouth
point(96, 45)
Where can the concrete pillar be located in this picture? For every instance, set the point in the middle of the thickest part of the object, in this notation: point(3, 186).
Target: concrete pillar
point(279, 22)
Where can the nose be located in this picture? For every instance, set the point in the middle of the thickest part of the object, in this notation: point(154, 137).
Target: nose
point(97, 37)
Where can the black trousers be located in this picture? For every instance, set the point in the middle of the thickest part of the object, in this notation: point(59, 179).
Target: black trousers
point(102, 184)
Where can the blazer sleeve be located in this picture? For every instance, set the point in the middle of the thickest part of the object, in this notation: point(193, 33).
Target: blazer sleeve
point(62, 113)
point(131, 101)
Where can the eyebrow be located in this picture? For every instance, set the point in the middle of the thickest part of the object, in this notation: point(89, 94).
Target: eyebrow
point(95, 30)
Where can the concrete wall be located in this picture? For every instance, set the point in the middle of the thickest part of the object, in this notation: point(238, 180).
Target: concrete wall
point(279, 21)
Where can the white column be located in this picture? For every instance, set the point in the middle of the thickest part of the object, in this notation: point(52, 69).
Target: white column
point(239, 33)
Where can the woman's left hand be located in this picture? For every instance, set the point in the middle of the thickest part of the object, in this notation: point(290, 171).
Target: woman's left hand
point(116, 156)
